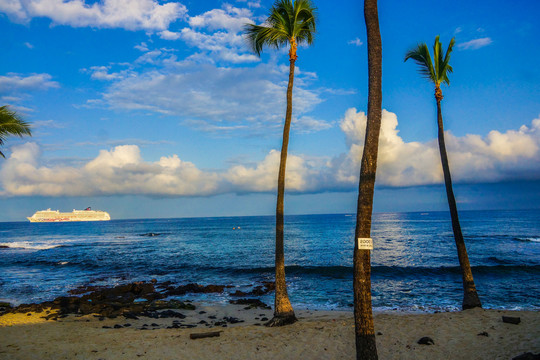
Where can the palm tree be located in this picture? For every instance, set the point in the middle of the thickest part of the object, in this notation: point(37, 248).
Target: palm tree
point(288, 24)
point(366, 347)
point(437, 72)
point(11, 124)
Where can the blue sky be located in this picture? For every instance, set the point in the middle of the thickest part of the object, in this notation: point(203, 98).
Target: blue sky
point(160, 110)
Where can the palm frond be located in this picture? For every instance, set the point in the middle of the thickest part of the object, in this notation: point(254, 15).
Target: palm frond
point(287, 20)
point(11, 124)
point(258, 37)
point(437, 70)
point(421, 56)
point(446, 61)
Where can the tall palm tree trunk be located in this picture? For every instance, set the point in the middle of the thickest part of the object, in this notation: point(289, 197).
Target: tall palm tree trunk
point(283, 310)
point(366, 347)
point(470, 296)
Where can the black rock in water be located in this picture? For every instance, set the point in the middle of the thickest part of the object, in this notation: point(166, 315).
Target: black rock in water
point(426, 341)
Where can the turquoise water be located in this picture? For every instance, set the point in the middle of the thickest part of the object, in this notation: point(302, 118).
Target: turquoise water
point(414, 260)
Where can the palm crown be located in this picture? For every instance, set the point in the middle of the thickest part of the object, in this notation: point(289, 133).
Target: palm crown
point(288, 22)
point(437, 70)
point(11, 124)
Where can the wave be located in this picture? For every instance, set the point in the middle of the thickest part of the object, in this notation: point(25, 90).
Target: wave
point(391, 271)
point(528, 239)
point(29, 246)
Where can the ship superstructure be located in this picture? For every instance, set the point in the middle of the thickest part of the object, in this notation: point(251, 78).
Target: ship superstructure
point(76, 215)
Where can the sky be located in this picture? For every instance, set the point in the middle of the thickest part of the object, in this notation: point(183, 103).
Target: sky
point(160, 109)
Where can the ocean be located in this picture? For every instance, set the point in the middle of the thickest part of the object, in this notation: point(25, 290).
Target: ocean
point(414, 261)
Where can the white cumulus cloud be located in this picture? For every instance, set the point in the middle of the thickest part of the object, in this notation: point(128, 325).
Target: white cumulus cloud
point(497, 156)
point(113, 172)
point(13, 82)
point(131, 15)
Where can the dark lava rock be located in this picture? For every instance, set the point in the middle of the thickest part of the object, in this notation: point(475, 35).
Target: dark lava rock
point(265, 288)
point(379, 333)
point(171, 313)
point(483, 333)
point(202, 312)
point(232, 320)
point(212, 317)
point(83, 289)
point(117, 326)
point(426, 341)
point(129, 300)
point(527, 356)
point(511, 320)
point(171, 304)
point(194, 288)
point(253, 303)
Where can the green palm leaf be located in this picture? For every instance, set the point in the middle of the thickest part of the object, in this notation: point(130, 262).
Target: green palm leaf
point(287, 21)
point(435, 70)
point(11, 124)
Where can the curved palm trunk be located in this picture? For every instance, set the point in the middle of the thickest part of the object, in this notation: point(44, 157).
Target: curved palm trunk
point(366, 347)
point(470, 296)
point(283, 311)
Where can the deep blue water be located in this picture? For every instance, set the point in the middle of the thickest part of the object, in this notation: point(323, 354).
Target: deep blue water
point(414, 261)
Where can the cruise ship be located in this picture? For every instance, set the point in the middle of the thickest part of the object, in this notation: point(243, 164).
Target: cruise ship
point(76, 215)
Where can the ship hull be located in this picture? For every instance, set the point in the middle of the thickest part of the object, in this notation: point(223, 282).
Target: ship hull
point(77, 215)
point(64, 220)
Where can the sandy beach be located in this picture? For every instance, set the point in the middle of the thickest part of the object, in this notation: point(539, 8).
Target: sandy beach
point(471, 334)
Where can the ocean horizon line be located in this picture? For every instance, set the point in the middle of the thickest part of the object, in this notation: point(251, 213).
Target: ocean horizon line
point(300, 214)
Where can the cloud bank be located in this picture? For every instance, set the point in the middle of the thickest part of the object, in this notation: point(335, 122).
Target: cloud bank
point(133, 15)
point(495, 157)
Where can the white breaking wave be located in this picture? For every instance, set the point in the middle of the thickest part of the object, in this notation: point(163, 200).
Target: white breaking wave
point(29, 246)
point(531, 239)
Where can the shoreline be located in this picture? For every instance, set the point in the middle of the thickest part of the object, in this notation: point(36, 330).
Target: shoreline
point(469, 334)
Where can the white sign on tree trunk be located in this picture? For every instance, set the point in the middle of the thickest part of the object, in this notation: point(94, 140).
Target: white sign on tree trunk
point(365, 244)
